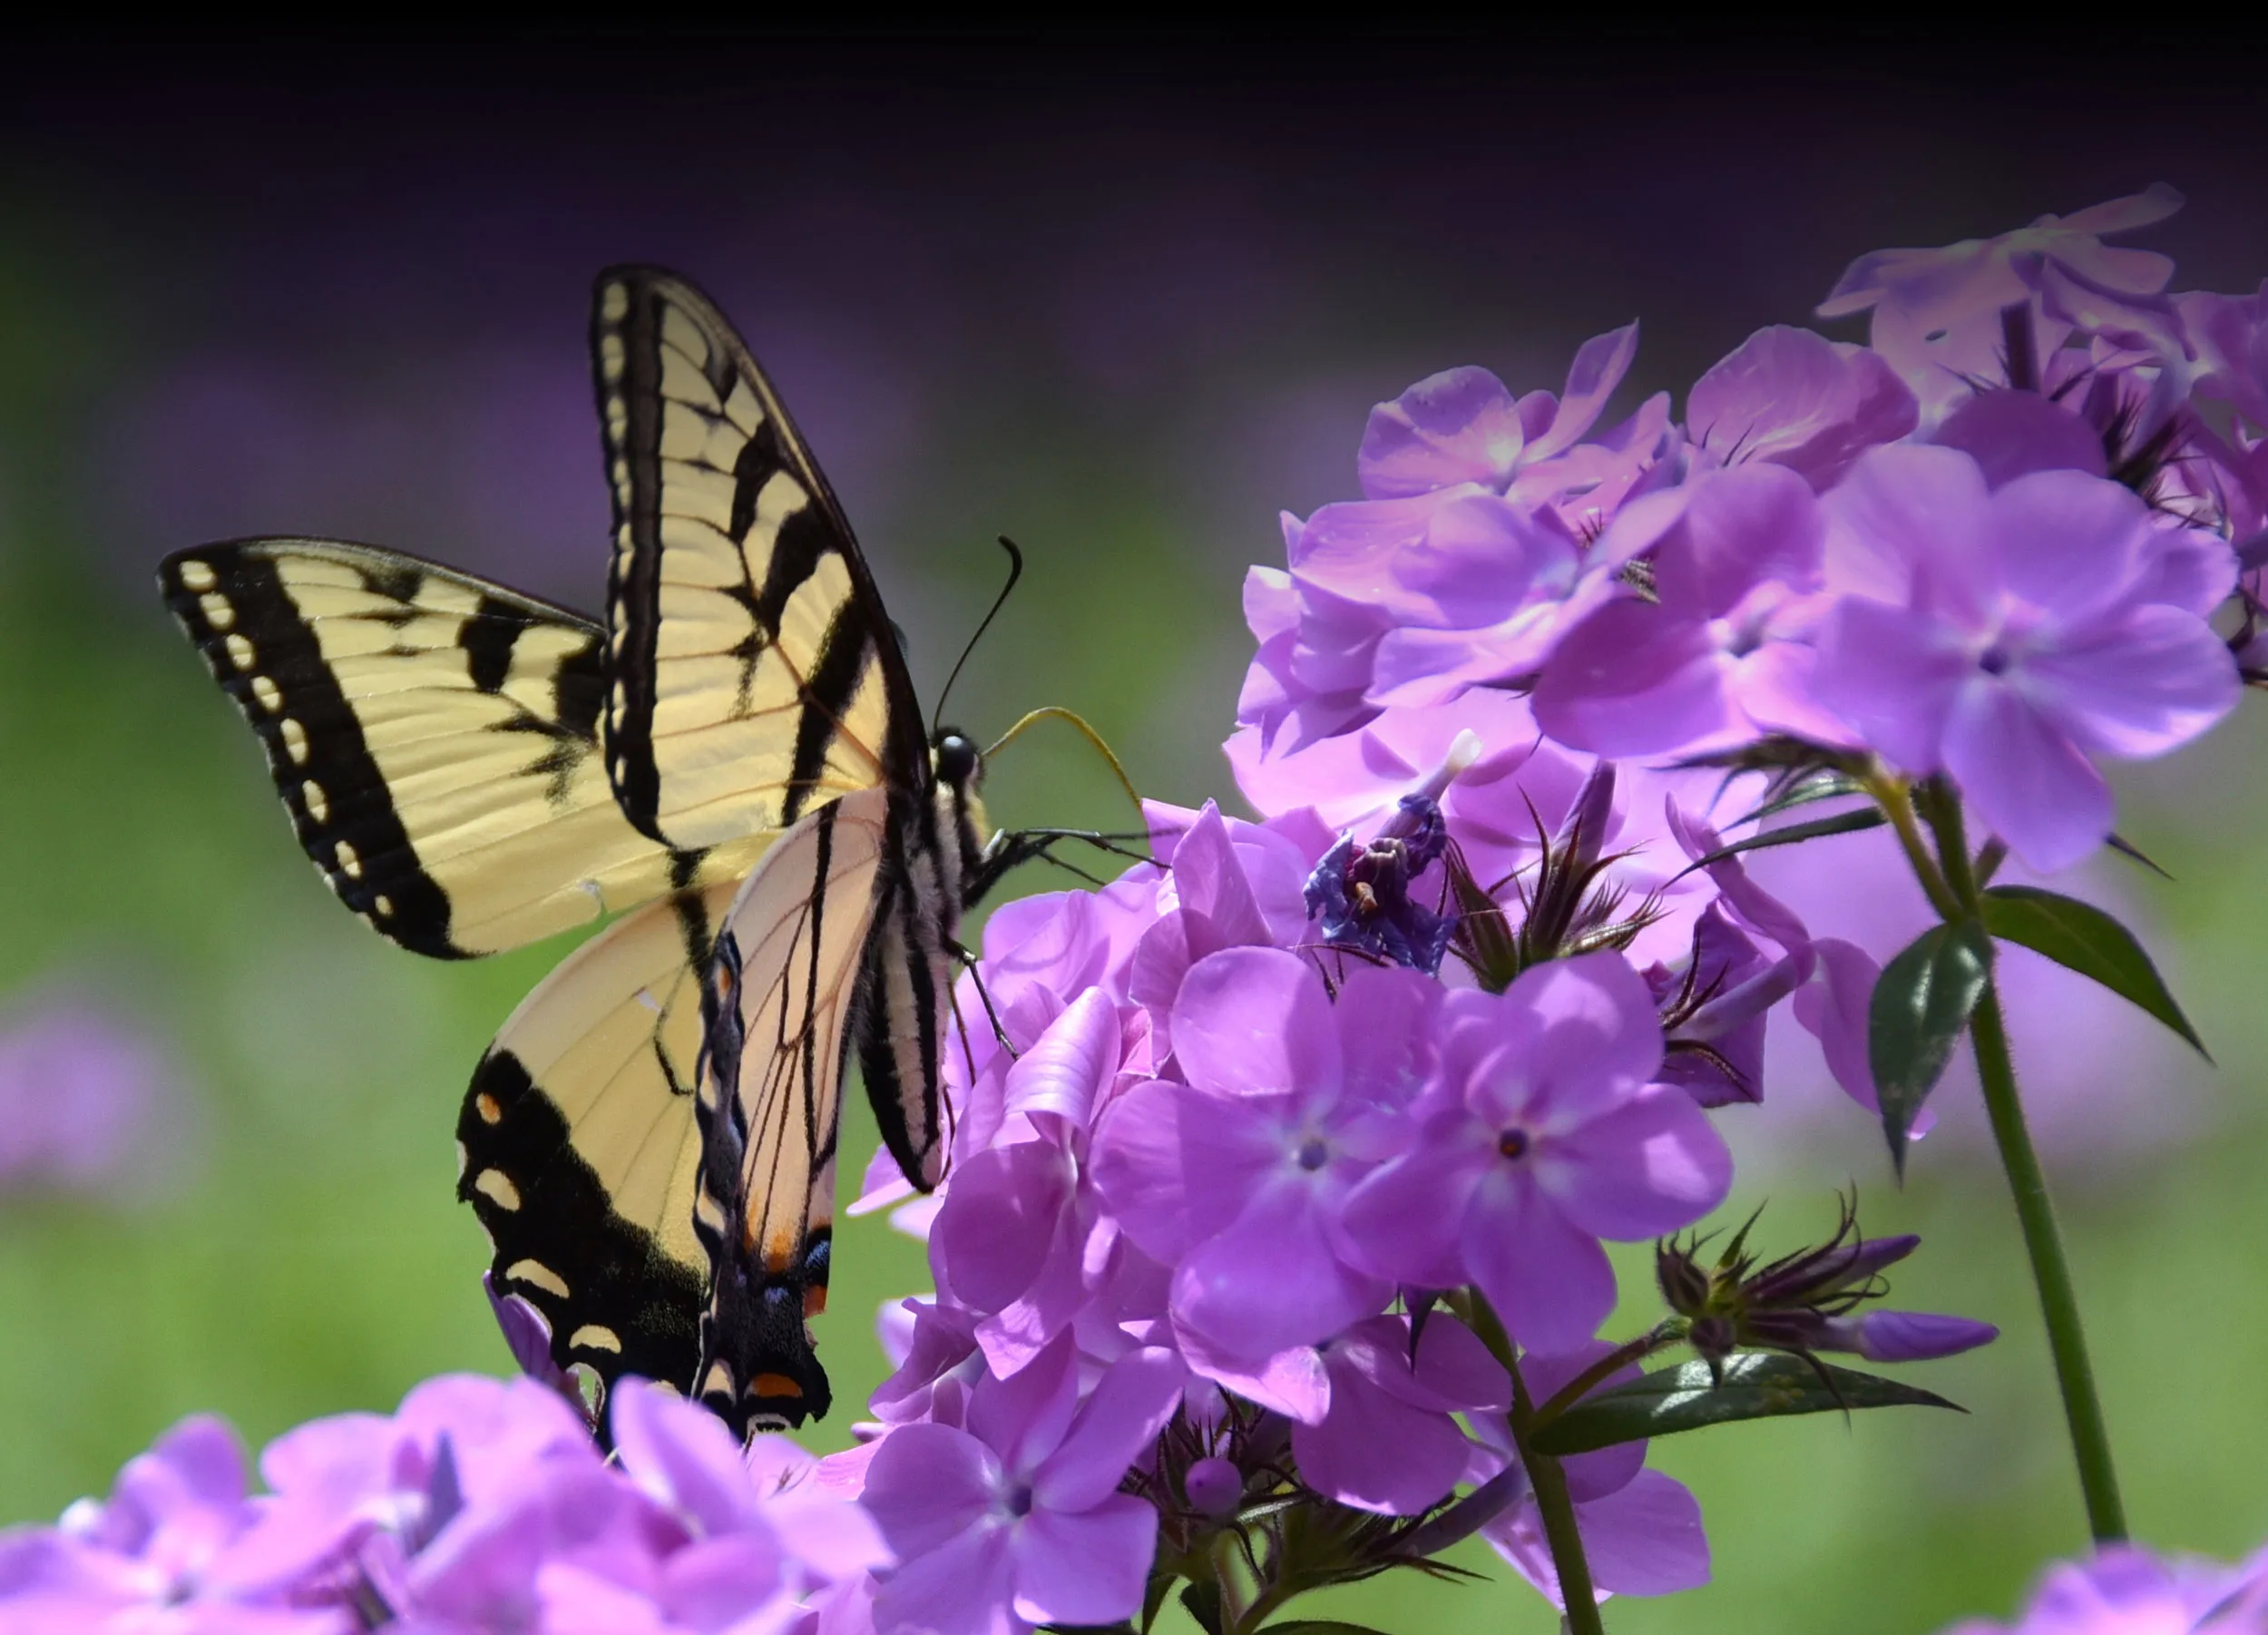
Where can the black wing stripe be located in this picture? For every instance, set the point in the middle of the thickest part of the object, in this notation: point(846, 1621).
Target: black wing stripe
point(633, 577)
point(266, 657)
point(834, 683)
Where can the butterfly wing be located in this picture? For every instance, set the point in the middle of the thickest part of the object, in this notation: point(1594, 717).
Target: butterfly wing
point(578, 1148)
point(778, 1003)
point(434, 737)
point(755, 674)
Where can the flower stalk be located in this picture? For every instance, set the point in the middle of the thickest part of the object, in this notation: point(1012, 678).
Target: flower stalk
point(2035, 1212)
point(1577, 1599)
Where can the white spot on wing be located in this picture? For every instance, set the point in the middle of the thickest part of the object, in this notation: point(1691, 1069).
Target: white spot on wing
point(241, 653)
point(295, 736)
point(595, 1336)
point(198, 576)
point(496, 1186)
point(219, 613)
point(270, 695)
point(614, 303)
point(319, 804)
point(349, 861)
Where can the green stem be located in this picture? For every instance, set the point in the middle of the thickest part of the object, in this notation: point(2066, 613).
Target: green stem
point(2035, 1213)
point(2051, 1273)
point(1897, 803)
point(1549, 1483)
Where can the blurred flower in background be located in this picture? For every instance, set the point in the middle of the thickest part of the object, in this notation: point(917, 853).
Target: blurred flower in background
point(90, 1104)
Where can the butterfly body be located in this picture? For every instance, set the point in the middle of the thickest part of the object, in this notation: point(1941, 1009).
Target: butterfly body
point(733, 762)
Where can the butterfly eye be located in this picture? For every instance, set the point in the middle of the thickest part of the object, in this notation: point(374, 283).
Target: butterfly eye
point(957, 760)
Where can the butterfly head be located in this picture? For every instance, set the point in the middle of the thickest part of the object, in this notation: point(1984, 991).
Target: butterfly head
point(956, 761)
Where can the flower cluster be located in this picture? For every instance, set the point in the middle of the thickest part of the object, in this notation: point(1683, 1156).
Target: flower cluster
point(1985, 545)
point(478, 1506)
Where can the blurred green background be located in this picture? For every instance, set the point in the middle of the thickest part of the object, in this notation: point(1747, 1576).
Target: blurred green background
point(1124, 306)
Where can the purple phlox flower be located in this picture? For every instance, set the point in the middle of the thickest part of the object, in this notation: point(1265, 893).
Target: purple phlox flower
point(1805, 1302)
point(154, 1555)
point(1363, 898)
point(1937, 313)
point(358, 1495)
point(1500, 808)
point(1714, 1009)
point(2229, 336)
point(2125, 1590)
point(1233, 884)
point(1319, 622)
point(1483, 596)
point(1462, 426)
point(2007, 637)
point(1236, 1178)
point(87, 1102)
point(1021, 1239)
point(1541, 1132)
point(1723, 651)
point(1641, 1530)
point(1794, 399)
point(1389, 1442)
point(1016, 1520)
point(2010, 433)
point(940, 1363)
point(762, 1536)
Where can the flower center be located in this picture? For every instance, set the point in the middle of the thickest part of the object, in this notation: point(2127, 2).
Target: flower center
point(1314, 1153)
point(1512, 1144)
point(1994, 659)
point(1018, 1501)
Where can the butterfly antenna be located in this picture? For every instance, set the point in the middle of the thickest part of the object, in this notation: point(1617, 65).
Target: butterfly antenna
point(1079, 722)
point(1015, 572)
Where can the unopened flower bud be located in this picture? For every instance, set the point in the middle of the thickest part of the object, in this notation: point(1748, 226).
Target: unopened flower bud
point(1213, 1487)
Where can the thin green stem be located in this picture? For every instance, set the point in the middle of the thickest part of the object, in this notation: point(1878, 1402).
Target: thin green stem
point(2051, 1273)
point(2035, 1213)
point(1553, 1503)
point(1897, 803)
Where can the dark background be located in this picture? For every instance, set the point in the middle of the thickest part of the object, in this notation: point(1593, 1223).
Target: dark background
point(1123, 302)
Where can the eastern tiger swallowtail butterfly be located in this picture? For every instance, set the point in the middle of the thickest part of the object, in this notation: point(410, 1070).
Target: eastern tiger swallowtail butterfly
point(471, 769)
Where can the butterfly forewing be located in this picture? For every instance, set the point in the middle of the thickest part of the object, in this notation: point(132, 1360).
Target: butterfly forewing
point(781, 991)
point(754, 673)
point(580, 1148)
point(434, 737)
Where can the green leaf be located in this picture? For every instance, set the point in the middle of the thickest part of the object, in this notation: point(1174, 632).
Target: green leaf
point(1922, 1002)
point(1757, 1384)
point(1203, 1600)
point(2084, 938)
point(1841, 823)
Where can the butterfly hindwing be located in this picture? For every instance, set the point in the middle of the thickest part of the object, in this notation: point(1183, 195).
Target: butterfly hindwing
point(580, 1148)
point(434, 737)
point(781, 991)
point(754, 675)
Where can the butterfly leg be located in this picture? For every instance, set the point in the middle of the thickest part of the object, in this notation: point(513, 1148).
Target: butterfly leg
point(1011, 848)
point(969, 963)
